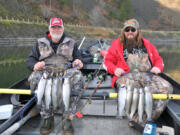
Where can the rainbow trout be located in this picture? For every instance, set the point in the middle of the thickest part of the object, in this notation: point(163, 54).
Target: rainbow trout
point(148, 103)
point(141, 105)
point(34, 79)
point(54, 93)
point(134, 103)
point(59, 92)
point(66, 93)
point(41, 88)
point(71, 72)
point(48, 93)
point(121, 100)
point(128, 99)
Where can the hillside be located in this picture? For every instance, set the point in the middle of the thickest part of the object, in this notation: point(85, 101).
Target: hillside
point(158, 14)
point(152, 14)
point(15, 29)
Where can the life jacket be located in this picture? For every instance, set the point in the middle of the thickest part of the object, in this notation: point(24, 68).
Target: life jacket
point(59, 59)
point(65, 49)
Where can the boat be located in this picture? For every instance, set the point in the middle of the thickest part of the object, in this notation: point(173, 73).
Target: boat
point(99, 115)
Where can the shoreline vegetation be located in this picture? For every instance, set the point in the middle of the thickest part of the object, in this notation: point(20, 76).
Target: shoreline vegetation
point(14, 62)
point(27, 28)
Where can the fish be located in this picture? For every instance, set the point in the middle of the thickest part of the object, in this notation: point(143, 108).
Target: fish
point(66, 93)
point(141, 105)
point(77, 80)
point(48, 93)
point(148, 103)
point(121, 100)
point(54, 93)
point(71, 72)
point(34, 79)
point(59, 91)
point(134, 103)
point(128, 99)
point(41, 88)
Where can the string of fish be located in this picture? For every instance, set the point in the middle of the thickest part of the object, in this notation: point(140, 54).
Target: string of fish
point(132, 100)
point(54, 89)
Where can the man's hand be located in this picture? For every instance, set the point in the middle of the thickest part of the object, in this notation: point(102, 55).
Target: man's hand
point(155, 70)
point(118, 72)
point(77, 63)
point(39, 66)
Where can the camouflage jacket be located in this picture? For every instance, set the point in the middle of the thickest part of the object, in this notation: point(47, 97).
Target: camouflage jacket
point(45, 48)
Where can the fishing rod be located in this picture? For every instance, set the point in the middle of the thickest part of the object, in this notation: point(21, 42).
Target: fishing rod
point(82, 41)
point(77, 113)
point(79, 96)
point(92, 44)
point(90, 78)
point(101, 79)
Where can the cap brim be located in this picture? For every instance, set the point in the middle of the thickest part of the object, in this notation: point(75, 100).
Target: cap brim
point(57, 25)
point(129, 26)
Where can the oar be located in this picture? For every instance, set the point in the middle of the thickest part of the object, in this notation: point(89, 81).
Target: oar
point(16, 91)
point(113, 95)
point(166, 96)
point(155, 96)
point(15, 116)
point(97, 94)
point(34, 111)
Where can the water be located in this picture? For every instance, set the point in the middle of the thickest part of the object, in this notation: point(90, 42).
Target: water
point(12, 64)
point(11, 73)
point(13, 69)
point(171, 56)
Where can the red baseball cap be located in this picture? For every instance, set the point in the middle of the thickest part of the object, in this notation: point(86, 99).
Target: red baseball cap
point(56, 22)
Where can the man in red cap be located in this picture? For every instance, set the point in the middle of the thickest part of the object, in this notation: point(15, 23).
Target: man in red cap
point(60, 52)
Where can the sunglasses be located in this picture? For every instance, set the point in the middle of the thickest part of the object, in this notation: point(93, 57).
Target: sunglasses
point(130, 29)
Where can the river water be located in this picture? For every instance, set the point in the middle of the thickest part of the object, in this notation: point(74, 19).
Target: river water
point(171, 57)
point(13, 69)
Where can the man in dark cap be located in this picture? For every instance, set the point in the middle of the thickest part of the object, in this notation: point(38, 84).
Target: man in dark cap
point(60, 53)
point(134, 61)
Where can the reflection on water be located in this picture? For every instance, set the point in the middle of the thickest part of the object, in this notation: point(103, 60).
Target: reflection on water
point(171, 56)
point(13, 72)
point(12, 66)
point(175, 74)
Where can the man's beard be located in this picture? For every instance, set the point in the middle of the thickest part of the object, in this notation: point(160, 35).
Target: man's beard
point(130, 44)
point(56, 37)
